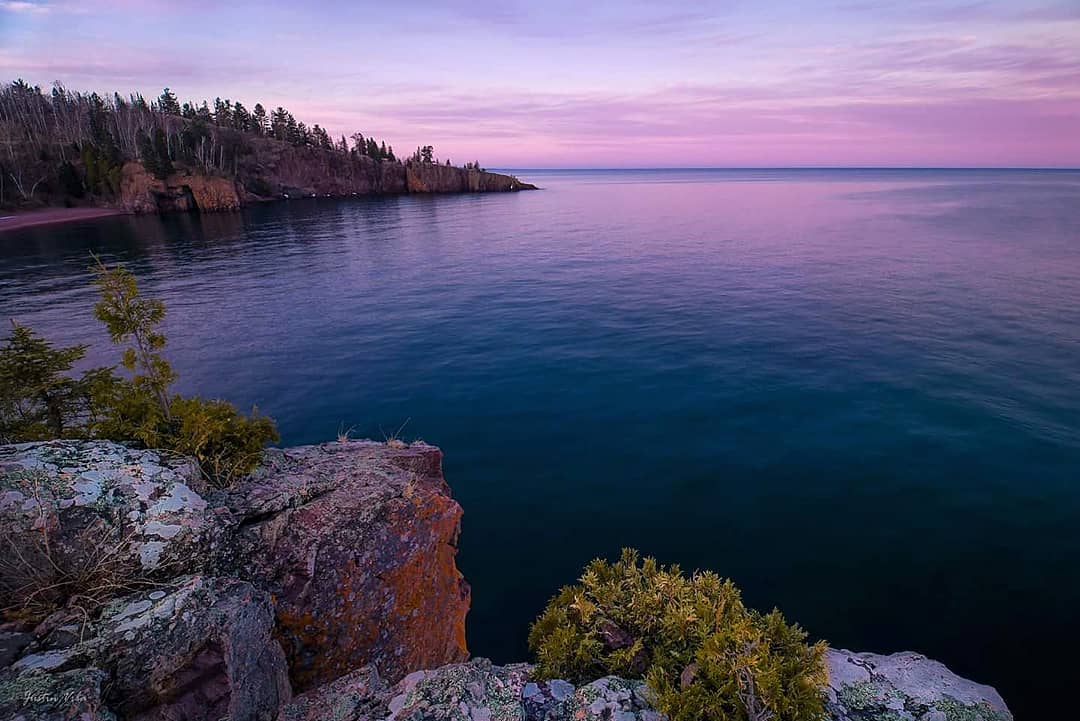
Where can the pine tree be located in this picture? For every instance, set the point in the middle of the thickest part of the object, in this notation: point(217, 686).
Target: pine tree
point(131, 318)
point(147, 154)
point(241, 119)
point(167, 103)
point(38, 400)
point(161, 151)
point(259, 124)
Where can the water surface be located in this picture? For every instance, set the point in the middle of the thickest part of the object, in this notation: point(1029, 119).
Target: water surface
point(857, 393)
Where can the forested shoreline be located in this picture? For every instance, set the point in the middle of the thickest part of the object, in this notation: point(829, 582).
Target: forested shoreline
point(64, 147)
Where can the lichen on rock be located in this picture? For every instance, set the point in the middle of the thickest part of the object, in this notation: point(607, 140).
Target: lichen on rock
point(905, 687)
point(357, 543)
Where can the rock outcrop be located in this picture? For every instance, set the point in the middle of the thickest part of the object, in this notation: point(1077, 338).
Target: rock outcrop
point(275, 170)
point(434, 178)
point(356, 542)
point(329, 558)
point(322, 587)
point(141, 192)
point(138, 509)
point(480, 690)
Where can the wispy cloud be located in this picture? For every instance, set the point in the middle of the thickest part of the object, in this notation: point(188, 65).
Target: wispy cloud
point(29, 8)
point(630, 82)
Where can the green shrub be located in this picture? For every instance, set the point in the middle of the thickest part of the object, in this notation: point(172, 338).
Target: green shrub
point(225, 443)
point(698, 647)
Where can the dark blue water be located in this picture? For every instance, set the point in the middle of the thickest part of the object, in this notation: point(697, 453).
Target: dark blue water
point(857, 393)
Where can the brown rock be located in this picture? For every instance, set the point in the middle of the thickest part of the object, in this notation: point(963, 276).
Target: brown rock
point(141, 192)
point(356, 542)
point(211, 193)
point(435, 178)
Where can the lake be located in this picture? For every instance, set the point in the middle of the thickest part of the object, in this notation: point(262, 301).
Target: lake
point(855, 392)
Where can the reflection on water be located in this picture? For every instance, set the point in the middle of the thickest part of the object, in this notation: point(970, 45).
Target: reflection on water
point(855, 392)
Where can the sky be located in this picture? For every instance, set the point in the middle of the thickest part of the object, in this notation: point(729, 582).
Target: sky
point(512, 84)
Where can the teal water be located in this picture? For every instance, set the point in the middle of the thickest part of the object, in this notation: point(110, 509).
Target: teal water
point(857, 393)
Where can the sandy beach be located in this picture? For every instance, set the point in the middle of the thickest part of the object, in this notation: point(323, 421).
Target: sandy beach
point(51, 216)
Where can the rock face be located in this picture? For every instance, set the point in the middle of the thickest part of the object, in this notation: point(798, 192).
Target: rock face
point(47, 696)
point(905, 687)
point(434, 178)
point(356, 542)
point(140, 192)
point(199, 649)
point(330, 573)
point(274, 170)
point(361, 694)
point(341, 555)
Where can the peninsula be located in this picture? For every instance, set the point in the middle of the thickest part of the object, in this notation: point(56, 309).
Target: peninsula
point(75, 150)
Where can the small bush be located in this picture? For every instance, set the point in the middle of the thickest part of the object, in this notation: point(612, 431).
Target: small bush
point(225, 443)
point(698, 647)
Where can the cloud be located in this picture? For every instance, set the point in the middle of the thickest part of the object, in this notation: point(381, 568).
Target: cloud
point(27, 8)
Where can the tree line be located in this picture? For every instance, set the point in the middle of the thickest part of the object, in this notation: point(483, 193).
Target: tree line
point(70, 143)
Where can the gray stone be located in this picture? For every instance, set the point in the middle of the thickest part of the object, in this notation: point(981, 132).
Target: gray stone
point(201, 652)
point(357, 696)
point(473, 691)
point(85, 494)
point(34, 695)
point(903, 686)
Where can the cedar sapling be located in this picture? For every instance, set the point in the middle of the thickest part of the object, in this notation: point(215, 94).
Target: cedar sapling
point(40, 399)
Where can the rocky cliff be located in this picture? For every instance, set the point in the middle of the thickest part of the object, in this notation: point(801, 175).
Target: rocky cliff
point(275, 170)
point(141, 192)
point(323, 587)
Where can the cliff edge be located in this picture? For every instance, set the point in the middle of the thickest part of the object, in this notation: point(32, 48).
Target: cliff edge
point(277, 170)
point(322, 587)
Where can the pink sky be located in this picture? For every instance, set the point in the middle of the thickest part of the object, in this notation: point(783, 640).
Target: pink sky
point(603, 84)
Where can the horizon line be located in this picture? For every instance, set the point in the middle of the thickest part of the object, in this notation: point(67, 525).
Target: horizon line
point(1071, 168)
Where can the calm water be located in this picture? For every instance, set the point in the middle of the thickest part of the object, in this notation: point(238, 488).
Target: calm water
point(857, 393)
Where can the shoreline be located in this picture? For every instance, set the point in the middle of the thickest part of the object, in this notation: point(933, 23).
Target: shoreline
point(54, 216)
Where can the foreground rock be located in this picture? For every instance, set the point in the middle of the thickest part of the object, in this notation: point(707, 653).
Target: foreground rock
point(200, 649)
point(94, 507)
point(356, 542)
point(905, 687)
point(323, 587)
point(863, 687)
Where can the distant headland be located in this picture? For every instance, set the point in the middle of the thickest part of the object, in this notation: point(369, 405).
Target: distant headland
point(68, 149)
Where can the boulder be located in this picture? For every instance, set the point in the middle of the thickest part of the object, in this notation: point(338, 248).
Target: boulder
point(905, 687)
point(356, 542)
